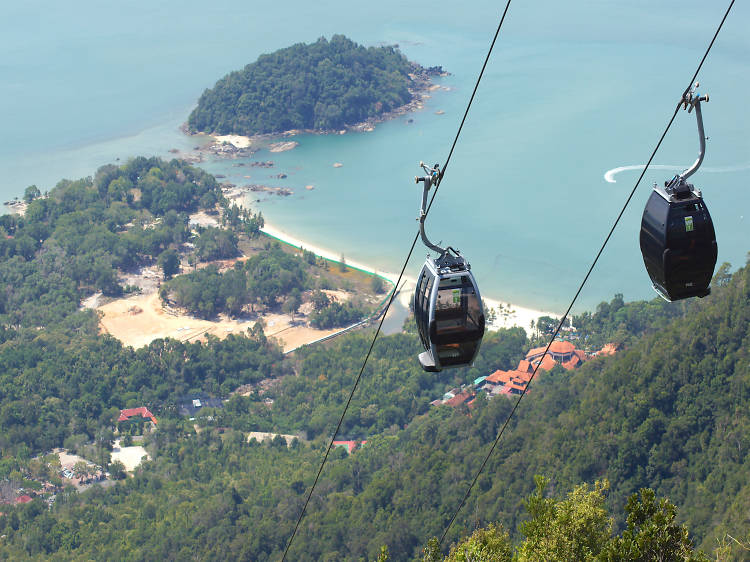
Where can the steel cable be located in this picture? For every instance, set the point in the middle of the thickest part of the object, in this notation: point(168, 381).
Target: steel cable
point(585, 279)
point(393, 293)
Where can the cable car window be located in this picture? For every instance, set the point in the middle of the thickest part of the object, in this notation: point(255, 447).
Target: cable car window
point(457, 310)
point(427, 293)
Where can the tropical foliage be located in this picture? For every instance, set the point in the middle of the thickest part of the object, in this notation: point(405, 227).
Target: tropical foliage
point(668, 413)
point(323, 85)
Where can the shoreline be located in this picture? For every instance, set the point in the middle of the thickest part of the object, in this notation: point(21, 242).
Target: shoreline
point(520, 316)
point(236, 145)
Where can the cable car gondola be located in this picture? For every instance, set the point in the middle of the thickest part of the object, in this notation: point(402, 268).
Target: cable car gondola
point(447, 304)
point(677, 239)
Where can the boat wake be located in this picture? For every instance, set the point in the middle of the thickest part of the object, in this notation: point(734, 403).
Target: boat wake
point(609, 175)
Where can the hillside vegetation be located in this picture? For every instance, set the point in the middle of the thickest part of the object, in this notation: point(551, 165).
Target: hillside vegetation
point(670, 413)
point(323, 85)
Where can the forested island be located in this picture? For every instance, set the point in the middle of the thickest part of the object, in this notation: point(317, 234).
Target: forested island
point(646, 451)
point(325, 85)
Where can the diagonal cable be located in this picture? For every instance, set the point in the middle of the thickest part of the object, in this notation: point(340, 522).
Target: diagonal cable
point(585, 279)
point(393, 293)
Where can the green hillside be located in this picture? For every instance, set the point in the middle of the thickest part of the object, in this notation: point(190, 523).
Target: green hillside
point(669, 413)
point(323, 85)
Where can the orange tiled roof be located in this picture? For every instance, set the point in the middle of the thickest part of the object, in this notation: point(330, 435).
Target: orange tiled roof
point(608, 349)
point(524, 365)
point(562, 347)
point(534, 352)
point(521, 376)
point(498, 377)
point(547, 363)
point(130, 412)
point(459, 399)
point(573, 363)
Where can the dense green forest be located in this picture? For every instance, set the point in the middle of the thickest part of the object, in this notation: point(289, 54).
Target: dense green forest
point(669, 413)
point(323, 85)
point(74, 241)
point(60, 379)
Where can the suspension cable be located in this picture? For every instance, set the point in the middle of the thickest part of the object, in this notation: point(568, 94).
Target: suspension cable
point(585, 279)
point(393, 292)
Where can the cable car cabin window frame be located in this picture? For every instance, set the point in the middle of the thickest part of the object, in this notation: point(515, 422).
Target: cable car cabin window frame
point(422, 297)
point(468, 303)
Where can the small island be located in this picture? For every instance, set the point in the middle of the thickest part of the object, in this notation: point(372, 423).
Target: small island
point(324, 86)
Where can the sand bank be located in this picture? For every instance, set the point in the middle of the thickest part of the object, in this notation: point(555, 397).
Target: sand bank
point(137, 321)
point(238, 141)
point(507, 314)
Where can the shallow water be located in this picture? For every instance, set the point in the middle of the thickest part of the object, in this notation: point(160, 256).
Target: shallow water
point(572, 90)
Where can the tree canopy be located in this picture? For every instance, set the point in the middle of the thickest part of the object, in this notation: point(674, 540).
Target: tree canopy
point(323, 85)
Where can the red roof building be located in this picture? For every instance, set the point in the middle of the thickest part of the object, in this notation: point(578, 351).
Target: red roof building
point(24, 499)
point(562, 352)
point(608, 349)
point(498, 377)
point(144, 412)
point(526, 366)
point(350, 446)
point(460, 398)
point(535, 352)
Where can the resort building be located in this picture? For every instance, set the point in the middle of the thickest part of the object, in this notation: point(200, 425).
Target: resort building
point(143, 412)
point(509, 383)
point(562, 352)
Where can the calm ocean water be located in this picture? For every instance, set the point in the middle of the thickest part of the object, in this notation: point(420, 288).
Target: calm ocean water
point(572, 90)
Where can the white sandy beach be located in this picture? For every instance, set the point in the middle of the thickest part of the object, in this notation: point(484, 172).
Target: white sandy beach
point(513, 315)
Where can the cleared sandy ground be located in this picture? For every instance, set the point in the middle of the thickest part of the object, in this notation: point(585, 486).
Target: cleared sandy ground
point(69, 460)
point(131, 457)
point(263, 436)
point(137, 321)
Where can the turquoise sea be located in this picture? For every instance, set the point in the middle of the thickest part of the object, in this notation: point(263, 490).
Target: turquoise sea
point(573, 89)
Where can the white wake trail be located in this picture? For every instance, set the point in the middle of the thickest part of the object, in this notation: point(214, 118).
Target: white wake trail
point(609, 175)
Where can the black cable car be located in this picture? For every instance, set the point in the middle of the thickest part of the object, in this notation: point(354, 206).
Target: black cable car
point(677, 239)
point(447, 304)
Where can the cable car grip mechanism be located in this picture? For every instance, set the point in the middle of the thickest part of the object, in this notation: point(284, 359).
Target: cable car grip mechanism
point(431, 178)
point(691, 99)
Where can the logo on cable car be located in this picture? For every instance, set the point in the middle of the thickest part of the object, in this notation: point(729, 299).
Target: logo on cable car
point(688, 224)
point(456, 296)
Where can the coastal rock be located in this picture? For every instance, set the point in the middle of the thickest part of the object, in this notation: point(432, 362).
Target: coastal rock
point(282, 191)
point(282, 146)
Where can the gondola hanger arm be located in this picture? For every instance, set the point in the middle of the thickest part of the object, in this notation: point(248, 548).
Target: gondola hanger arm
point(428, 180)
point(691, 99)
